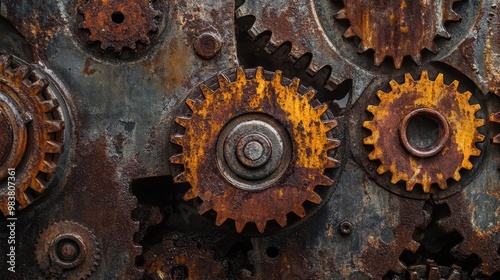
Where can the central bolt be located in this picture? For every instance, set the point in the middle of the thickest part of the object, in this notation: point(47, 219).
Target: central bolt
point(253, 150)
point(67, 250)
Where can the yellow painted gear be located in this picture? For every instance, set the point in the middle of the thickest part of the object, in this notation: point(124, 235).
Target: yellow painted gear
point(307, 132)
point(430, 96)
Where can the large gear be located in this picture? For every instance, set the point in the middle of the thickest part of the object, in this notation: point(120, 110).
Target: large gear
point(254, 149)
point(67, 250)
point(31, 113)
point(397, 28)
point(400, 113)
point(117, 24)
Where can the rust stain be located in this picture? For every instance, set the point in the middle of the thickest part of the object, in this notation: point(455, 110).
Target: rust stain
point(87, 67)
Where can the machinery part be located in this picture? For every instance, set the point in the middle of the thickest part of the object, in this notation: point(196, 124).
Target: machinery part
point(117, 24)
point(186, 259)
point(397, 28)
point(448, 146)
point(67, 250)
point(207, 45)
point(254, 149)
point(345, 227)
point(432, 271)
point(32, 118)
point(495, 118)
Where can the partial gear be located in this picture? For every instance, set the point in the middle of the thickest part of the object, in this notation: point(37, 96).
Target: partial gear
point(417, 154)
point(117, 24)
point(33, 120)
point(432, 271)
point(254, 149)
point(397, 28)
point(495, 118)
point(67, 250)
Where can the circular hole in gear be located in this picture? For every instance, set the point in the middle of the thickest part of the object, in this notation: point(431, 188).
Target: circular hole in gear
point(423, 132)
point(179, 272)
point(118, 17)
point(272, 252)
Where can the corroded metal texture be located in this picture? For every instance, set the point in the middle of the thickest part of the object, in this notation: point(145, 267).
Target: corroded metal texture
point(290, 181)
point(119, 24)
point(424, 163)
point(397, 28)
point(35, 124)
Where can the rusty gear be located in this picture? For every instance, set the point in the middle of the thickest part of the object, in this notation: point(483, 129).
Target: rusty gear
point(433, 271)
point(397, 28)
point(435, 101)
point(270, 155)
point(495, 118)
point(67, 250)
point(117, 24)
point(32, 117)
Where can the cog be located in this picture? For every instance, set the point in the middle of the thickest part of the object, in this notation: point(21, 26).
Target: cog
point(397, 28)
point(117, 24)
point(67, 250)
point(495, 118)
point(254, 149)
point(31, 115)
point(434, 271)
point(398, 121)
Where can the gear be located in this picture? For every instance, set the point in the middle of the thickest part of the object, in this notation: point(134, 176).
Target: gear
point(254, 149)
point(433, 271)
point(33, 119)
point(397, 28)
point(67, 250)
point(117, 24)
point(495, 118)
point(426, 155)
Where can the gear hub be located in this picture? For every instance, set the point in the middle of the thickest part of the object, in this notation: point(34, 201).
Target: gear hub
point(29, 109)
point(254, 149)
point(397, 28)
point(117, 24)
point(424, 132)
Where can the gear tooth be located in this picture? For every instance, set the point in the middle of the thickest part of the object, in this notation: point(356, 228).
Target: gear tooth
point(177, 159)
point(48, 167)
point(468, 95)
point(369, 140)
point(48, 105)
point(496, 139)
point(399, 268)
point(417, 58)
point(379, 59)
point(192, 104)
point(182, 121)
point(330, 124)
point(220, 219)
point(349, 33)
point(332, 144)
point(480, 137)
point(177, 139)
point(300, 211)
point(241, 77)
point(374, 155)
point(239, 226)
point(321, 109)
point(331, 163)
point(475, 152)
point(457, 176)
point(442, 184)
point(261, 226)
point(454, 85)
point(443, 33)
point(259, 74)
point(53, 147)
point(314, 198)
point(342, 14)
point(191, 194)
point(362, 48)
point(453, 16)
point(54, 126)
point(476, 108)
point(38, 87)
point(206, 91)
point(180, 178)
point(277, 77)
point(426, 185)
point(309, 96)
point(23, 199)
point(369, 125)
point(224, 82)
point(440, 79)
point(434, 273)
point(410, 185)
point(424, 76)
point(21, 72)
point(398, 60)
point(394, 86)
point(281, 221)
point(5, 62)
point(395, 178)
point(382, 169)
point(413, 246)
point(295, 85)
point(324, 181)
point(432, 47)
point(204, 207)
point(38, 185)
point(372, 109)
point(467, 165)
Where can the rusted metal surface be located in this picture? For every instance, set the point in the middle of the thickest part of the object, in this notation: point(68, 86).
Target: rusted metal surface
point(118, 24)
point(285, 182)
point(397, 28)
point(424, 163)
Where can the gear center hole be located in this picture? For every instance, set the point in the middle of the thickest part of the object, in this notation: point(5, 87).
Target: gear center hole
point(118, 17)
point(422, 132)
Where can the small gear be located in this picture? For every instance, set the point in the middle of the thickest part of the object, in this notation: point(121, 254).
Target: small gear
point(397, 28)
point(433, 271)
point(416, 154)
point(67, 250)
point(495, 118)
point(33, 119)
point(254, 149)
point(117, 24)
